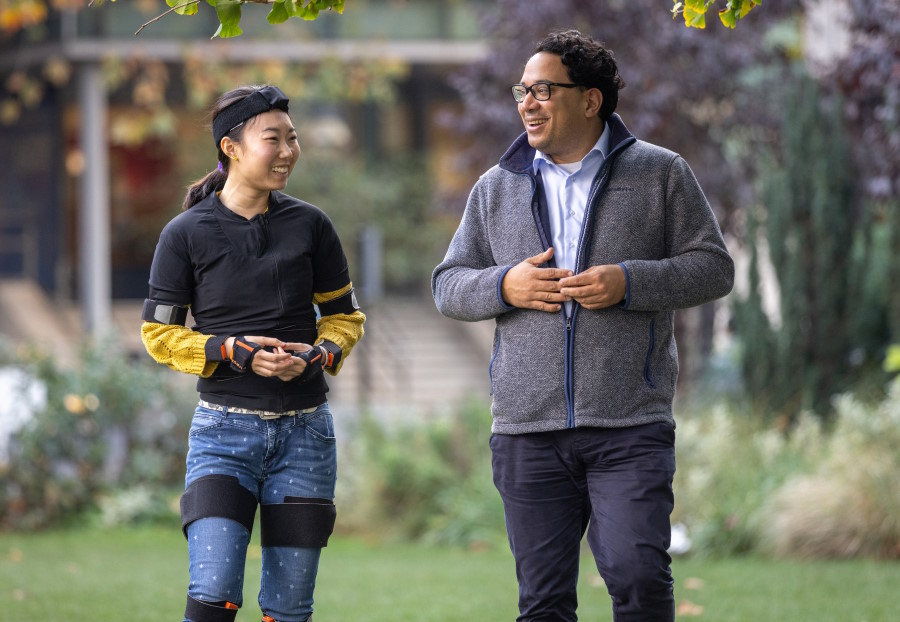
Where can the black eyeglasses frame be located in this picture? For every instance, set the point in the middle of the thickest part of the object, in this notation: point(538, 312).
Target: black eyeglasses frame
point(530, 89)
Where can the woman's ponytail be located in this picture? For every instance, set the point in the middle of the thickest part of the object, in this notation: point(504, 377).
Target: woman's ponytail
point(200, 189)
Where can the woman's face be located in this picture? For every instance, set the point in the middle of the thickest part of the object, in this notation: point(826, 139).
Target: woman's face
point(267, 152)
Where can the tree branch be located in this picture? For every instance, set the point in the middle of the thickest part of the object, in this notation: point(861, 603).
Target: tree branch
point(158, 17)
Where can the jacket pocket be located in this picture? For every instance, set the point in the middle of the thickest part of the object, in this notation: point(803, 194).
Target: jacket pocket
point(493, 359)
point(648, 375)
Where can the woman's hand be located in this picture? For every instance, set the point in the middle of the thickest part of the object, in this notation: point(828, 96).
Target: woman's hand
point(266, 363)
point(298, 365)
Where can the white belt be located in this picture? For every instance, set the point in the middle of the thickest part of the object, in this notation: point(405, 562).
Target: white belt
point(262, 414)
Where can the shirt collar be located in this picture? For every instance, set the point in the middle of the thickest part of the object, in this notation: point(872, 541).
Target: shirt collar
point(601, 147)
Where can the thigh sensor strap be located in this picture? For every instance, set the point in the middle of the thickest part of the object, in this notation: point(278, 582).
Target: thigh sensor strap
point(221, 496)
point(304, 522)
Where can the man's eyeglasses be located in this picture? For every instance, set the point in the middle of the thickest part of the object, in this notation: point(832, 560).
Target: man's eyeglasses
point(539, 90)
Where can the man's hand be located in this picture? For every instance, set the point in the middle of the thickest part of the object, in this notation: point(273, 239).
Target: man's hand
point(529, 287)
point(597, 287)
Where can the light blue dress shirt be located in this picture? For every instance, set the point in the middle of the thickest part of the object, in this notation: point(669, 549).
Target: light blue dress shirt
point(567, 187)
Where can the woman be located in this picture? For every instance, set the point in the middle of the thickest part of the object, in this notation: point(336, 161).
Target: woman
point(250, 262)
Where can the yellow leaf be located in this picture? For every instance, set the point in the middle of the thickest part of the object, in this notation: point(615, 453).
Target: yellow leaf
point(693, 19)
point(892, 360)
point(746, 7)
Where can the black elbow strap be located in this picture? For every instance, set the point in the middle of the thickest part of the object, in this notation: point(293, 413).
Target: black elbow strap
point(218, 495)
point(303, 522)
point(345, 304)
point(154, 311)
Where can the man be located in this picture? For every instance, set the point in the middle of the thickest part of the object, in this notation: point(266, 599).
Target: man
point(581, 243)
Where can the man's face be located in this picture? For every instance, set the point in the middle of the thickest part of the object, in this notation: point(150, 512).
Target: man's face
point(561, 126)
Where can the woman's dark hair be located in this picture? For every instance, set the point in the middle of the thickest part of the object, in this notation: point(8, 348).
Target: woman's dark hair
point(589, 64)
point(215, 181)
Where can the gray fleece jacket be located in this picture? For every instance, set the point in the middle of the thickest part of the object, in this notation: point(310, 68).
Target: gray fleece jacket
point(614, 367)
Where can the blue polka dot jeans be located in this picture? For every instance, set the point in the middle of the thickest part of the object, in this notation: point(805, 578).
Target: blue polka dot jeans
point(289, 456)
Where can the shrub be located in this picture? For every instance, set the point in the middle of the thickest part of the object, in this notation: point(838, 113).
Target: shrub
point(429, 481)
point(111, 421)
point(849, 505)
point(728, 464)
point(746, 485)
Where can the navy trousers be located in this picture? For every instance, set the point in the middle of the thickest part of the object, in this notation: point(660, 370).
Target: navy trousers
point(614, 483)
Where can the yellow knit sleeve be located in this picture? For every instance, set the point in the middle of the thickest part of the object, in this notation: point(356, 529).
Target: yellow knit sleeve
point(343, 329)
point(178, 347)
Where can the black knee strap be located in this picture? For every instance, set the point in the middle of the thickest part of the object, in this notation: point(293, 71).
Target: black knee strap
point(199, 611)
point(217, 495)
point(304, 522)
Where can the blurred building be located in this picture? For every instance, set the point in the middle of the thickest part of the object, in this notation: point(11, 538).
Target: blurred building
point(44, 159)
point(100, 130)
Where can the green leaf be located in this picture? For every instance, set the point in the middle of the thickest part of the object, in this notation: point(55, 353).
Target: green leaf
point(279, 13)
point(229, 12)
point(181, 9)
point(308, 12)
point(728, 18)
point(312, 8)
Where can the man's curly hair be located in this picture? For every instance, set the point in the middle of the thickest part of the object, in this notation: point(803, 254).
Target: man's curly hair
point(589, 64)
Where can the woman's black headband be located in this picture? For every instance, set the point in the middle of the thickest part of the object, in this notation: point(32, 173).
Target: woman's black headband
point(258, 102)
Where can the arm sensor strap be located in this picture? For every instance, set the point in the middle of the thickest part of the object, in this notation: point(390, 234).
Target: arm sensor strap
point(242, 353)
point(345, 304)
point(315, 362)
point(333, 354)
point(154, 311)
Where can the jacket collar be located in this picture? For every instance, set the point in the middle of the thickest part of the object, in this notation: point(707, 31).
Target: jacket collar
point(519, 158)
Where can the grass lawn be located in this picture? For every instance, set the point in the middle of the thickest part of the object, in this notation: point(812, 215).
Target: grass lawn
point(140, 575)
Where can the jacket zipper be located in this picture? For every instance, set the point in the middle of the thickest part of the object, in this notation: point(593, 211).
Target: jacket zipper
point(568, 346)
point(570, 319)
point(265, 219)
point(569, 372)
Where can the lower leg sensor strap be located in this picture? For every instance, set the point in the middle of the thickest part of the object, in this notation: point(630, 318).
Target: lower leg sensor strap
point(200, 611)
